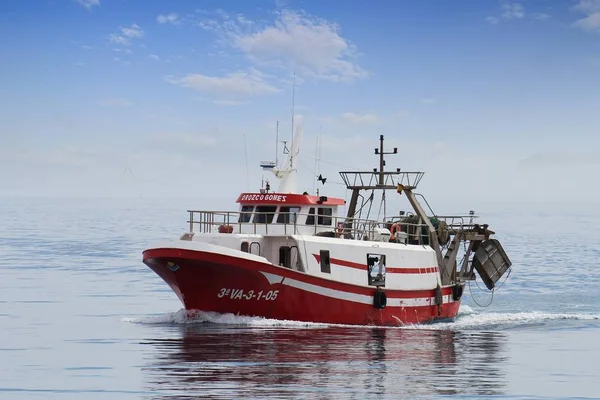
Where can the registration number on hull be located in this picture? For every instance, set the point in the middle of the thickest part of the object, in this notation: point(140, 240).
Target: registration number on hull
point(239, 294)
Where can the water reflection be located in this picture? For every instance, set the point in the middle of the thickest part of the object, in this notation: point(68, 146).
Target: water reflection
point(212, 361)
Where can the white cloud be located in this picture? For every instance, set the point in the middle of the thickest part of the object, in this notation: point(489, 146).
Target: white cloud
point(72, 156)
point(116, 102)
point(588, 6)
point(513, 11)
point(171, 18)
point(591, 23)
point(133, 32)
point(354, 118)
point(228, 103)
point(126, 35)
point(510, 11)
point(89, 4)
point(243, 20)
point(540, 16)
point(246, 83)
point(154, 57)
point(296, 41)
point(402, 114)
point(561, 159)
point(182, 142)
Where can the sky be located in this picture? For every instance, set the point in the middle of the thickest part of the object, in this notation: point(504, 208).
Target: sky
point(493, 100)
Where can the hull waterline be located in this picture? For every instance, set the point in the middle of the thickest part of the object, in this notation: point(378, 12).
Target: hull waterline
point(222, 283)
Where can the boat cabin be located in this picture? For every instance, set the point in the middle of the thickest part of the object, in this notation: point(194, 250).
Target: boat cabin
point(287, 213)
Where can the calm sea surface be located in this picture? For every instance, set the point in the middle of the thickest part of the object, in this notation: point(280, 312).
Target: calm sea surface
point(81, 317)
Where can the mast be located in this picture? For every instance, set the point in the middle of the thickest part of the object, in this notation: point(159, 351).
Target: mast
point(287, 173)
point(382, 160)
point(382, 169)
point(402, 182)
point(277, 143)
point(357, 181)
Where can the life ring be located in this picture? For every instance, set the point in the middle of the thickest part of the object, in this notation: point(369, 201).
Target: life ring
point(379, 299)
point(395, 228)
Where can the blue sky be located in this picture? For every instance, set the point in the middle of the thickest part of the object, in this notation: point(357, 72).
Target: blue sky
point(153, 98)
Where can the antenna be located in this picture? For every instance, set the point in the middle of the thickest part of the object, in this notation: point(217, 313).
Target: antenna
point(319, 155)
point(276, 143)
point(293, 100)
point(246, 152)
point(317, 168)
point(316, 158)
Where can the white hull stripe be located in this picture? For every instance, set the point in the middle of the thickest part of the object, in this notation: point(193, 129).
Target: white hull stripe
point(354, 297)
point(272, 278)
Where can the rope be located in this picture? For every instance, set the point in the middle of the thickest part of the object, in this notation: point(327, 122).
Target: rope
point(493, 290)
point(475, 301)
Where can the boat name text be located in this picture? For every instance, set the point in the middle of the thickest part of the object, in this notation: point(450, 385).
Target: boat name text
point(238, 294)
point(261, 197)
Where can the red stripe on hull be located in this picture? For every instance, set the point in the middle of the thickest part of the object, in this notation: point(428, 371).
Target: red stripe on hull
point(393, 270)
point(220, 283)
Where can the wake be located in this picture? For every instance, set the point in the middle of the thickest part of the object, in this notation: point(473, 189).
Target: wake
point(467, 319)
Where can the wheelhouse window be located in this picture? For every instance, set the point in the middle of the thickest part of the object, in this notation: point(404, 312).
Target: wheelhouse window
point(264, 214)
point(325, 216)
point(310, 220)
point(246, 214)
point(287, 215)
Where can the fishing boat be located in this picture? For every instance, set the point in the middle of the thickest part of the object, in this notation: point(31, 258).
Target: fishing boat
point(288, 255)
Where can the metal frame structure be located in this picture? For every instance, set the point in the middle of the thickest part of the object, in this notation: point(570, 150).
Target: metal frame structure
point(454, 227)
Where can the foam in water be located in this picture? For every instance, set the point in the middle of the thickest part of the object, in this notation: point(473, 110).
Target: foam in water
point(197, 317)
point(476, 321)
point(467, 319)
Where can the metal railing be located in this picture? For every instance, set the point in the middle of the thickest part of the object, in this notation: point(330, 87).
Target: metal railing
point(293, 224)
point(364, 179)
point(458, 222)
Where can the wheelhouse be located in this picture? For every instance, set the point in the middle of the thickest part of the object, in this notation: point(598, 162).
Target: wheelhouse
point(274, 212)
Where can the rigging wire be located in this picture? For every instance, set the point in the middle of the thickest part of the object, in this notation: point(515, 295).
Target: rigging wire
point(329, 162)
point(312, 172)
point(371, 197)
point(493, 290)
point(381, 205)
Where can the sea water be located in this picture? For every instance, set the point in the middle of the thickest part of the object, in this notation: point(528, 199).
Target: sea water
point(81, 317)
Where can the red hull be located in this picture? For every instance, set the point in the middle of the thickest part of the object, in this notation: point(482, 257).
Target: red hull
point(225, 284)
